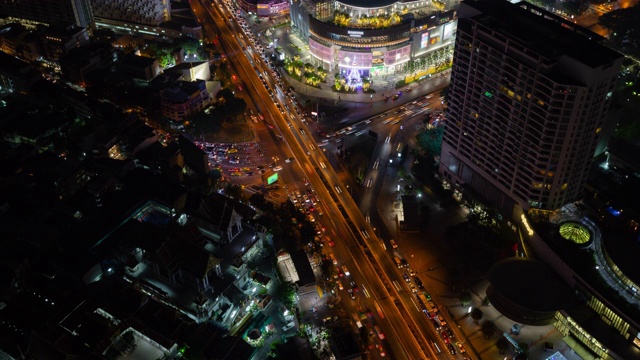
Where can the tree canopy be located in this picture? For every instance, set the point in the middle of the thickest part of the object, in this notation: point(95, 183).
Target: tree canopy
point(622, 22)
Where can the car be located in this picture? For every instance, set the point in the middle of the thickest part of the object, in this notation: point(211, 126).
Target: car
point(450, 333)
point(277, 168)
point(379, 332)
point(331, 243)
point(354, 286)
point(393, 243)
point(433, 306)
point(406, 277)
point(288, 326)
point(445, 337)
point(435, 324)
point(442, 321)
point(411, 271)
point(346, 270)
point(339, 283)
point(404, 262)
point(418, 282)
point(452, 349)
point(413, 288)
point(352, 294)
point(381, 350)
point(287, 161)
point(339, 271)
point(460, 347)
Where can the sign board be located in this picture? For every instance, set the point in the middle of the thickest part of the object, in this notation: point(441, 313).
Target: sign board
point(271, 179)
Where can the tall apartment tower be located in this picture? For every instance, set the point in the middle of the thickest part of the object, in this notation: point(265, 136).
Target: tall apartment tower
point(528, 98)
point(49, 12)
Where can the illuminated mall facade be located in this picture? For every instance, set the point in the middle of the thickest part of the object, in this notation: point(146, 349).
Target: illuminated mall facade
point(374, 37)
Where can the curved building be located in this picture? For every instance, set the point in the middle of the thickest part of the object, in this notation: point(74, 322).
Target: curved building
point(372, 36)
point(527, 291)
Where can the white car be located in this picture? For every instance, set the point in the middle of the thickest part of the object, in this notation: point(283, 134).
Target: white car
point(277, 168)
point(288, 326)
point(345, 270)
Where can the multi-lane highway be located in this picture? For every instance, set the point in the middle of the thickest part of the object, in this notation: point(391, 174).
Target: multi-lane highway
point(408, 333)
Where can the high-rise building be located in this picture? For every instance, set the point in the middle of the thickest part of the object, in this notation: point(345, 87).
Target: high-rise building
point(141, 12)
point(527, 103)
point(49, 12)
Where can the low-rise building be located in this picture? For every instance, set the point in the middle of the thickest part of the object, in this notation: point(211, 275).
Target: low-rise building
point(140, 67)
point(185, 99)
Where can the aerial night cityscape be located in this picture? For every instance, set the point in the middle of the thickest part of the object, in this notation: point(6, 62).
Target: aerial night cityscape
point(319, 179)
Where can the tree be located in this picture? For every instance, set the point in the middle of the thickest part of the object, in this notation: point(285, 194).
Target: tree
point(465, 298)
point(189, 45)
point(476, 314)
point(364, 337)
point(233, 191)
point(502, 344)
point(430, 140)
point(574, 7)
point(488, 328)
point(622, 22)
point(285, 292)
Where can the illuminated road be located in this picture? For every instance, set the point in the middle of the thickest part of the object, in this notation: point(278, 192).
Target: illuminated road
point(359, 249)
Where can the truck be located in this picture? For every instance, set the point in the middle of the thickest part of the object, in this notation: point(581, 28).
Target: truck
point(398, 261)
point(423, 300)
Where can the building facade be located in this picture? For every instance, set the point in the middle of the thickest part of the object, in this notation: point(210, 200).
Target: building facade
point(265, 8)
point(527, 103)
point(374, 37)
point(151, 19)
point(143, 12)
point(186, 99)
point(49, 12)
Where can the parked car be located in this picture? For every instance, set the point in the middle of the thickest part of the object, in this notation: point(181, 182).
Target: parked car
point(393, 244)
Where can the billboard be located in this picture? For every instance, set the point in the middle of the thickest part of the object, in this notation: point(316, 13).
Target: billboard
point(424, 40)
point(352, 59)
point(435, 35)
point(273, 178)
point(448, 30)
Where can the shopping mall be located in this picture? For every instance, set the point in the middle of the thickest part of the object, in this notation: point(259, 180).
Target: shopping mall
point(373, 37)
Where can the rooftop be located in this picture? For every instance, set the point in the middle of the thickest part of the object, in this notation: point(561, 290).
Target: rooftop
point(137, 61)
point(548, 34)
point(530, 284)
